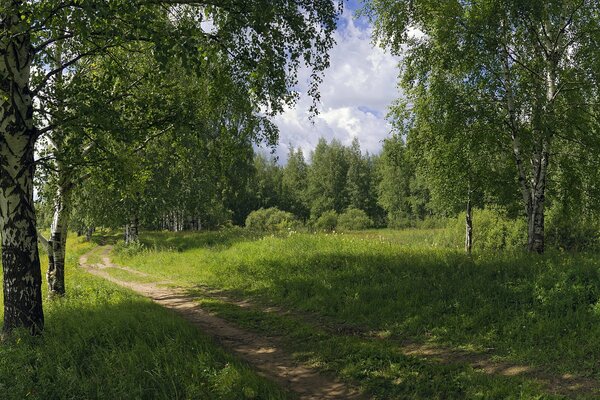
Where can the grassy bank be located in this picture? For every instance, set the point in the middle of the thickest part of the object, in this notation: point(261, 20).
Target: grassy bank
point(102, 342)
point(543, 311)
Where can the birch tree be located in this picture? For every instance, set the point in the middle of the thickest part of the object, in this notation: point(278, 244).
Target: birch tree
point(530, 60)
point(265, 41)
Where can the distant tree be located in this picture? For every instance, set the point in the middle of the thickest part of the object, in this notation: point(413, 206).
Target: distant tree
point(395, 172)
point(294, 184)
point(359, 180)
point(267, 182)
point(327, 178)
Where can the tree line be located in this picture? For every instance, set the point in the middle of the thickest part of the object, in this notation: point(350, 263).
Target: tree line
point(86, 86)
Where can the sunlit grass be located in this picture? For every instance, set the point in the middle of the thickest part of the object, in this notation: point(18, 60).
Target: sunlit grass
point(102, 342)
point(538, 310)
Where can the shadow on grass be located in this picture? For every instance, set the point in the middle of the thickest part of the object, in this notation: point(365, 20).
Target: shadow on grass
point(103, 238)
point(182, 241)
point(539, 310)
point(381, 368)
point(130, 349)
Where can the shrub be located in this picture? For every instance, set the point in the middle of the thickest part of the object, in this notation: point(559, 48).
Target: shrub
point(271, 220)
point(354, 219)
point(571, 232)
point(492, 230)
point(327, 221)
point(129, 250)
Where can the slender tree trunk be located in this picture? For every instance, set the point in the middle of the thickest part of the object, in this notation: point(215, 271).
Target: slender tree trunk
point(131, 231)
point(533, 190)
point(88, 233)
point(469, 228)
point(536, 207)
point(22, 276)
point(58, 241)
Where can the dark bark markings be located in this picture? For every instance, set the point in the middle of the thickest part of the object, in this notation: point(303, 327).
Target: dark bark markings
point(20, 259)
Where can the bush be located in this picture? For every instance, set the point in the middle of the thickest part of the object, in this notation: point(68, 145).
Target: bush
point(571, 232)
point(492, 230)
point(354, 219)
point(432, 222)
point(327, 221)
point(271, 220)
point(129, 250)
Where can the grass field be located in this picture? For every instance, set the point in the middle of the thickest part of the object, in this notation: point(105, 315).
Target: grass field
point(401, 285)
point(102, 342)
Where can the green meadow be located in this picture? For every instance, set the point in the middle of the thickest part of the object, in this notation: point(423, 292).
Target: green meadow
point(395, 287)
point(347, 304)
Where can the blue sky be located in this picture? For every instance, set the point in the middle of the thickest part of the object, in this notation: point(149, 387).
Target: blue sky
point(356, 91)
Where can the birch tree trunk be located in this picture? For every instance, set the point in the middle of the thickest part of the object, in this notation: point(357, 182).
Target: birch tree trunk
point(88, 233)
point(536, 242)
point(533, 189)
point(538, 187)
point(469, 228)
point(58, 240)
point(22, 276)
point(131, 231)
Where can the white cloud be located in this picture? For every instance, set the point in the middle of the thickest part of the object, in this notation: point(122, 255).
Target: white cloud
point(356, 91)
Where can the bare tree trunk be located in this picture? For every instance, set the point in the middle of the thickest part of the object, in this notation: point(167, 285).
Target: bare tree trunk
point(469, 228)
point(22, 276)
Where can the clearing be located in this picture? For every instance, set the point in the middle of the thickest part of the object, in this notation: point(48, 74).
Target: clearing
point(292, 306)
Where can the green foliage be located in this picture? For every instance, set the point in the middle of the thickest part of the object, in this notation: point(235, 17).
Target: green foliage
point(327, 222)
point(487, 84)
point(354, 219)
point(294, 184)
point(267, 182)
point(492, 231)
point(360, 180)
point(327, 178)
point(271, 220)
point(401, 191)
point(572, 231)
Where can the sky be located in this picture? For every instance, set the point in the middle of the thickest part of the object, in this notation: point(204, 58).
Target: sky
point(356, 92)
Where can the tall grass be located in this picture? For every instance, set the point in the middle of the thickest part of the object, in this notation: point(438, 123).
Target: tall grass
point(102, 342)
point(543, 310)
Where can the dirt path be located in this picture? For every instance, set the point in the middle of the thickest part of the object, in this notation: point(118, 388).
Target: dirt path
point(267, 356)
point(263, 353)
point(565, 385)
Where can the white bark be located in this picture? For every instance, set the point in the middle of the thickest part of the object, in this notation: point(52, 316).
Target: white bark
point(58, 238)
point(533, 189)
point(469, 228)
point(20, 259)
point(132, 231)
